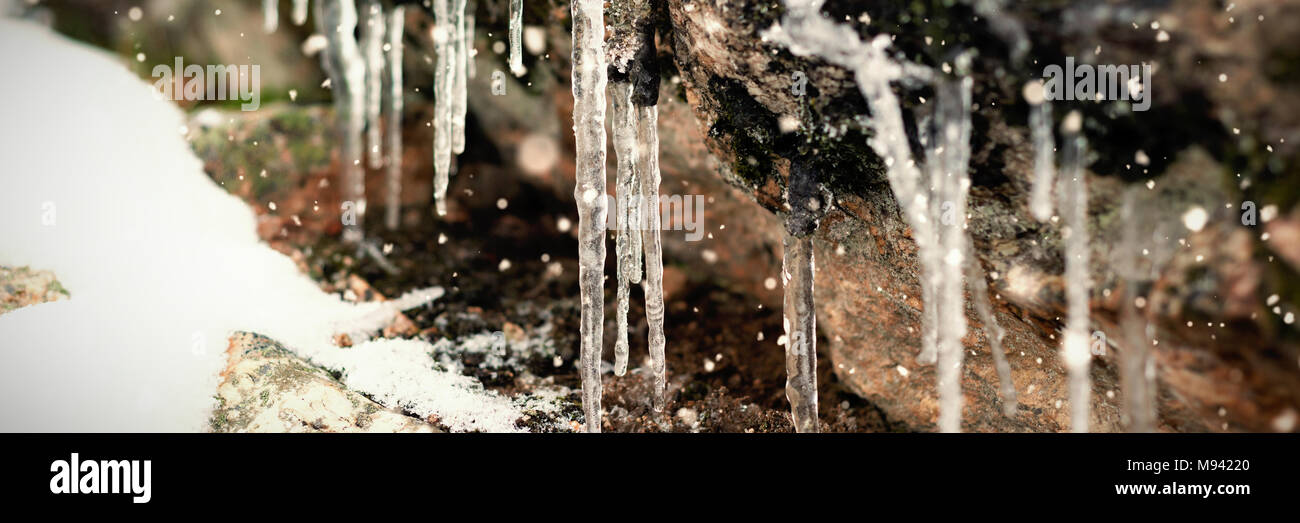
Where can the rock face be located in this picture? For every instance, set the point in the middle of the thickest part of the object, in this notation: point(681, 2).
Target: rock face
point(1226, 359)
point(1221, 132)
point(265, 388)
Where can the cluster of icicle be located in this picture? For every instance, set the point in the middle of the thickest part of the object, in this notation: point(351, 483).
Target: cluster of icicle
point(636, 145)
point(271, 14)
point(944, 248)
point(356, 77)
point(452, 42)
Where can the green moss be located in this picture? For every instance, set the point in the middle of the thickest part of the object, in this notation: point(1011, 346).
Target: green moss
point(295, 123)
point(748, 127)
point(308, 155)
point(219, 422)
point(55, 286)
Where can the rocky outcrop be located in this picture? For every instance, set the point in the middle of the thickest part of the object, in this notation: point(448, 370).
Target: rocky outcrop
point(265, 388)
point(1221, 132)
point(1227, 360)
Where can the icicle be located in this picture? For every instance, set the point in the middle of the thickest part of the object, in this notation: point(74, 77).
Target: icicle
point(1072, 197)
point(589, 191)
point(393, 108)
point(994, 332)
point(647, 169)
point(806, 32)
point(516, 37)
point(1040, 126)
point(624, 125)
point(299, 14)
point(800, 321)
point(270, 15)
point(442, 84)
point(458, 101)
point(953, 132)
point(372, 48)
point(799, 314)
point(1136, 365)
point(931, 273)
point(347, 71)
point(469, 42)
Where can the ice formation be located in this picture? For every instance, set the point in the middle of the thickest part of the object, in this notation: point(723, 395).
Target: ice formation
point(471, 66)
point(299, 14)
point(346, 67)
point(461, 70)
point(799, 313)
point(1040, 127)
point(452, 42)
point(393, 110)
point(647, 138)
point(952, 130)
point(444, 81)
point(1072, 197)
point(980, 295)
point(806, 32)
point(372, 51)
point(944, 253)
point(624, 123)
point(636, 215)
point(589, 78)
point(516, 37)
point(270, 15)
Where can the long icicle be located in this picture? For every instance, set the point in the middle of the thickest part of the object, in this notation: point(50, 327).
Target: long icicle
point(974, 273)
point(372, 48)
point(270, 15)
point(931, 271)
point(393, 108)
point(299, 14)
point(344, 63)
point(516, 37)
point(472, 64)
point(1073, 200)
point(442, 83)
point(624, 124)
point(647, 137)
point(458, 100)
point(953, 126)
point(589, 77)
point(799, 313)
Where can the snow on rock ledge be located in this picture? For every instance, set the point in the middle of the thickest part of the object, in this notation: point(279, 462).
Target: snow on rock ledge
point(265, 388)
